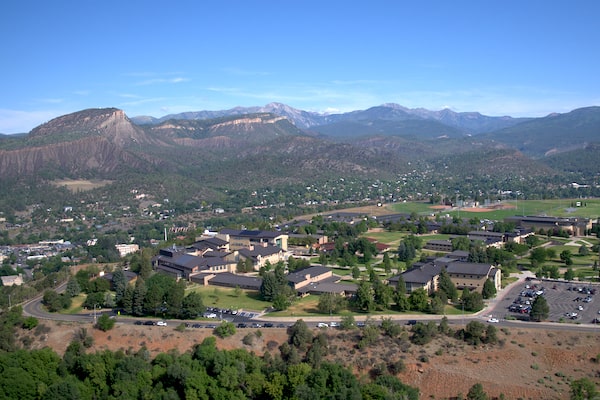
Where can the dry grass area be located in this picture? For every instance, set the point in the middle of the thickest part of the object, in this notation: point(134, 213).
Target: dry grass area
point(527, 364)
point(81, 185)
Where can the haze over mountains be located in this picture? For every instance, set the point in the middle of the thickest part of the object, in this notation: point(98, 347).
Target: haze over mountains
point(277, 144)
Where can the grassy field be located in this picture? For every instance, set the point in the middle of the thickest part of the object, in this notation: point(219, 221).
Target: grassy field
point(228, 298)
point(589, 208)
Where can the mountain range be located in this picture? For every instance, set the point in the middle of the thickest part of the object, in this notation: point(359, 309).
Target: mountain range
point(277, 144)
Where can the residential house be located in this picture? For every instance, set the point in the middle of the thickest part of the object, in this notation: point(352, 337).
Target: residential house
point(11, 280)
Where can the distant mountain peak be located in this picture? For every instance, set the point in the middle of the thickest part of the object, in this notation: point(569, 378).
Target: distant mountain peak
point(110, 123)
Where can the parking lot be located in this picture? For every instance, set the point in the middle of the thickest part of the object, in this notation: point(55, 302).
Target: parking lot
point(569, 302)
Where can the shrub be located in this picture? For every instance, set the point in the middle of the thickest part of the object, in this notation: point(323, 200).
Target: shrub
point(225, 329)
point(30, 323)
point(105, 323)
point(248, 340)
point(396, 367)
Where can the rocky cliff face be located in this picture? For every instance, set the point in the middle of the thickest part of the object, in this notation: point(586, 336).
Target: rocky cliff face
point(110, 123)
point(96, 153)
point(96, 139)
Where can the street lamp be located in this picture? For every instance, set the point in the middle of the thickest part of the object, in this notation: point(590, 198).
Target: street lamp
point(95, 305)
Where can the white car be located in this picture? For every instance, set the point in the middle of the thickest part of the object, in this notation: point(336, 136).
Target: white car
point(161, 323)
point(322, 325)
point(493, 320)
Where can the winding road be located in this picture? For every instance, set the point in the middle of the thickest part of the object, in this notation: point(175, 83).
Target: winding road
point(494, 307)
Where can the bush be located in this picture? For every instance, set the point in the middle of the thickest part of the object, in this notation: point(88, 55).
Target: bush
point(248, 340)
point(396, 367)
point(30, 323)
point(224, 330)
point(105, 323)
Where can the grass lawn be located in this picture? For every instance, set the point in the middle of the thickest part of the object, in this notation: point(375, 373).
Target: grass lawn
point(227, 298)
point(306, 306)
point(76, 305)
point(410, 207)
point(589, 208)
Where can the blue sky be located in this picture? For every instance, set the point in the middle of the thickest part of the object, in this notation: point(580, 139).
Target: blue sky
point(518, 58)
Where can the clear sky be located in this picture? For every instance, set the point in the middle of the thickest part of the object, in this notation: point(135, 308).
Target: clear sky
point(508, 57)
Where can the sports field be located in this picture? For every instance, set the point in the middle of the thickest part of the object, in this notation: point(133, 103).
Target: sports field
point(586, 208)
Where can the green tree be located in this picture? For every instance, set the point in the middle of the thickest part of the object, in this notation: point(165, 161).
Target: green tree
point(418, 300)
point(348, 322)
point(192, 306)
point(584, 250)
point(569, 274)
point(489, 289)
point(387, 263)
point(299, 335)
point(52, 300)
point(139, 292)
point(538, 256)
point(383, 295)
point(583, 389)
point(331, 303)
point(365, 296)
point(476, 392)
point(119, 284)
point(474, 333)
point(225, 329)
point(566, 257)
point(472, 301)
point(105, 323)
point(355, 272)
point(73, 288)
point(447, 286)
point(406, 252)
point(436, 306)
point(539, 309)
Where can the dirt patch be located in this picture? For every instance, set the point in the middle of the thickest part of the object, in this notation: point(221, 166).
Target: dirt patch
point(494, 207)
point(81, 185)
point(528, 364)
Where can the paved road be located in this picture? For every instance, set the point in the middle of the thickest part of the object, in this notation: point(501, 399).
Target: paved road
point(495, 307)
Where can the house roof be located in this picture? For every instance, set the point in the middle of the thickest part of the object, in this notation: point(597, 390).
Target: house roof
point(421, 274)
point(251, 234)
point(329, 287)
point(263, 251)
point(469, 268)
point(229, 279)
point(209, 243)
point(300, 275)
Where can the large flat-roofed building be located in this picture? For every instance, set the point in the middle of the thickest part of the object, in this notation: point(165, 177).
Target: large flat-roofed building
point(576, 226)
point(243, 239)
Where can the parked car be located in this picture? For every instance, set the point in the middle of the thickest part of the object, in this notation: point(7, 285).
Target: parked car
point(161, 323)
point(493, 320)
point(148, 322)
point(334, 324)
point(322, 325)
